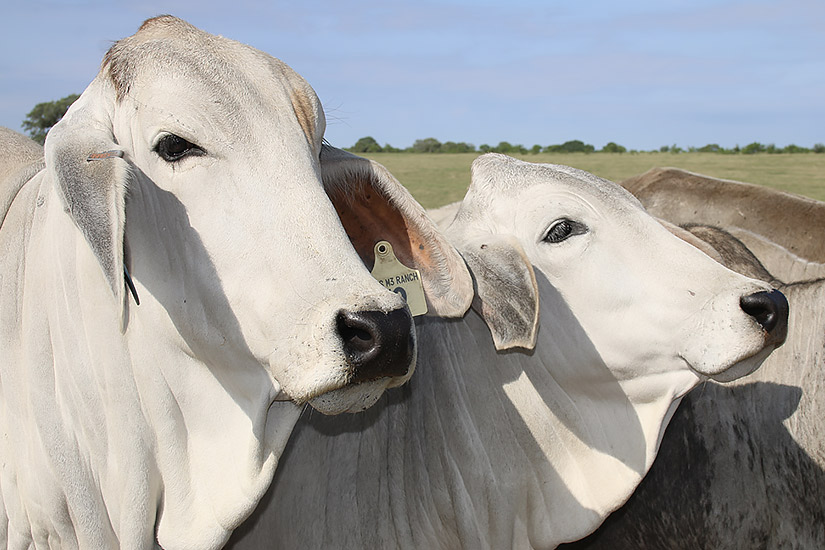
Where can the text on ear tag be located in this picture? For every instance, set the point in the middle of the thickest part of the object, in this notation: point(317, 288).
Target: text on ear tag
point(399, 278)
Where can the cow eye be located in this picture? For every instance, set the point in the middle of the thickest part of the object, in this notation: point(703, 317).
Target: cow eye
point(560, 230)
point(172, 148)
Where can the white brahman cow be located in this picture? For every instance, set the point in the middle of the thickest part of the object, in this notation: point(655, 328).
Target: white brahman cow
point(742, 465)
point(190, 169)
point(526, 449)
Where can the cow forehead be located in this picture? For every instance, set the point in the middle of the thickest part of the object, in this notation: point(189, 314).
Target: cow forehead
point(222, 76)
point(171, 46)
point(496, 177)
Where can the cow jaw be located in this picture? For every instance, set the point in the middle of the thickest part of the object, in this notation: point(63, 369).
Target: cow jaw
point(684, 313)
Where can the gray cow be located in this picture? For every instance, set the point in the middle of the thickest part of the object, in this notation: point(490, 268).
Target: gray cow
point(740, 466)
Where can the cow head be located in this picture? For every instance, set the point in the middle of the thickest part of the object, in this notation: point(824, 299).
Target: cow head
point(194, 164)
point(645, 299)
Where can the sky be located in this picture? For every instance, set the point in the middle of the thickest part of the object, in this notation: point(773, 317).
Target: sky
point(643, 74)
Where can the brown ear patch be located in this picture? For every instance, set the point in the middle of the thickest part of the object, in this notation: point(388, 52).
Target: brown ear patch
point(369, 217)
point(373, 206)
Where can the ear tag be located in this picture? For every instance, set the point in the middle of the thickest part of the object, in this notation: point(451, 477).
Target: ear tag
point(399, 278)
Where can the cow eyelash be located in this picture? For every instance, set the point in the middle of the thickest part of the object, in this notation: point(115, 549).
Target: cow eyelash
point(561, 230)
point(172, 148)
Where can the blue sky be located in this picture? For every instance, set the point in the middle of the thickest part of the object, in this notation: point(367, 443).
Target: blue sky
point(643, 74)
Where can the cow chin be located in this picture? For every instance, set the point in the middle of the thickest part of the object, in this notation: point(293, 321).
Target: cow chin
point(743, 367)
point(351, 399)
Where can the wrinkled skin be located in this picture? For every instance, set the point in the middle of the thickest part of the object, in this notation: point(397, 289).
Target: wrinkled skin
point(529, 447)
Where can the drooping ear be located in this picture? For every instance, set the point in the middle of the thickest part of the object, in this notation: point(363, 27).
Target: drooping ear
point(91, 175)
point(507, 296)
point(374, 206)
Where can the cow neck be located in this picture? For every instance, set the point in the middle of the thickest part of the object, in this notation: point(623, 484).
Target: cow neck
point(547, 434)
point(208, 400)
point(765, 428)
point(480, 449)
point(69, 389)
point(110, 413)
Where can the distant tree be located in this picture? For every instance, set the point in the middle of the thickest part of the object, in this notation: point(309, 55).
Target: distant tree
point(710, 148)
point(664, 149)
point(793, 149)
point(577, 146)
point(366, 145)
point(508, 148)
point(536, 149)
point(453, 147)
point(819, 148)
point(573, 146)
point(428, 145)
point(753, 148)
point(484, 148)
point(612, 147)
point(504, 147)
point(45, 115)
point(387, 148)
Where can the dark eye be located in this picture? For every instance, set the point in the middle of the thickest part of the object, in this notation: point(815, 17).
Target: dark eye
point(562, 229)
point(172, 148)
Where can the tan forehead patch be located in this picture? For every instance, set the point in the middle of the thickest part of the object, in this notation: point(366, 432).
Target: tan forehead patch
point(303, 107)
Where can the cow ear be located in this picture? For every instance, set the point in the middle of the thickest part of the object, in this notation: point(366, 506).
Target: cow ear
point(374, 206)
point(90, 174)
point(507, 296)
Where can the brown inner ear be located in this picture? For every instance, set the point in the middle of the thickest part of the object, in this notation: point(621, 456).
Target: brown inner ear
point(368, 217)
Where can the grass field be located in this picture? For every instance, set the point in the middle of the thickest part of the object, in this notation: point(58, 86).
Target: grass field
point(437, 179)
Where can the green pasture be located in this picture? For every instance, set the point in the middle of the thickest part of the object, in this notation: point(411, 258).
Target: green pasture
point(438, 179)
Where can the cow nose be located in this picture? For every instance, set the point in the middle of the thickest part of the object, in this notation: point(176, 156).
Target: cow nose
point(770, 309)
point(377, 344)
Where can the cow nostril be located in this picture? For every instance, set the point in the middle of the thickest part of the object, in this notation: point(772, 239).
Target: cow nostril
point(377, 344)
point(770, 310)
point(354, 336)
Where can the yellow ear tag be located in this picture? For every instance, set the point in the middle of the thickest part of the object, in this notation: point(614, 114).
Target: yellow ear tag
point(399, 278)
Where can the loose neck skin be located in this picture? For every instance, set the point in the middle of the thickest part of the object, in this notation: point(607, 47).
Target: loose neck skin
point(480, 450)
point(116, 438)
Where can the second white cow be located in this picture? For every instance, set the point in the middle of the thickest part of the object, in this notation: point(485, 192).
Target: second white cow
point(527, 449)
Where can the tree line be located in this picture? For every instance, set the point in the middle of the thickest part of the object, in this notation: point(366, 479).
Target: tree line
point(43, 116)
point(431, 145)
